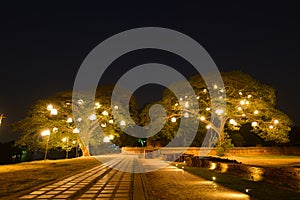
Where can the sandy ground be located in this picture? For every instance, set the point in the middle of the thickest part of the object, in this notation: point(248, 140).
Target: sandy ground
point(174, 183)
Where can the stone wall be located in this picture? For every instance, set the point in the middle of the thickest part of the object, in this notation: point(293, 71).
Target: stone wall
point(196, 151)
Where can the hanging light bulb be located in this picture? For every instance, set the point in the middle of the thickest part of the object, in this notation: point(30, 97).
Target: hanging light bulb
point(173, 119)
point(202, 118)
point(254, 124)
point(255, 112)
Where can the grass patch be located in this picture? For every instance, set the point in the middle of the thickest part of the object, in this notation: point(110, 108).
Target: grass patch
point(19, 177)
point(259, 190)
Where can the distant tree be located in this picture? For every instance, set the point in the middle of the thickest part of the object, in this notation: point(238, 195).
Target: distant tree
point(55, 114)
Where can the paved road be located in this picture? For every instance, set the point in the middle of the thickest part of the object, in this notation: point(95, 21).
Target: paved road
point(101, 182)
point(107, 182)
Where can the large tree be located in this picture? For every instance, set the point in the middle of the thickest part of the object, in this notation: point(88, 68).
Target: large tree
point(246, 99)
point(54, 118)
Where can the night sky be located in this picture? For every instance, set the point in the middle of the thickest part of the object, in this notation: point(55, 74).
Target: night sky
point(43, 45)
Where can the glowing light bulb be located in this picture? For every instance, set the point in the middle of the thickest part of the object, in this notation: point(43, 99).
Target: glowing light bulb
point(105, 113)
point(254, 124)
point(208, 126)
point(92, 117)
point(215, 86)
point(202, 118)
point(207, 109)
point(186, 104)
point(276, 121)
point(219, 111)
point(111, 121)
point(255, 112)
point(271, 127)
point(103, 125)
point(249, 96)
point(240, 108)
point(204, 90)
point(173, 119)
point(69, 120)
point(50, 107)
point(186, 115)
point(240, 93)
point(122, 123)
point(242, 102)
point(176, 104)
point(76, 130)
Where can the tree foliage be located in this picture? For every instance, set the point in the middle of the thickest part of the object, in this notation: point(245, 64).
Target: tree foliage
point(82, 130)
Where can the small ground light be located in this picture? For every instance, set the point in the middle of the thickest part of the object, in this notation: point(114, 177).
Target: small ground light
point(248, 190)
point(213, 178)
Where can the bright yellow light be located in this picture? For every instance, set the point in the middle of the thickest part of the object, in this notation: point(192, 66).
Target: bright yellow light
point(207, 109)
point(242, 102)
point(49, 107)
point(243, 115)
point(69, 120)
point(111, 137)
point(110, 121)
point(105, 113)
point(276, 121)
point(176, 104)
point(116, 107)
point(271, 127)
point(208, 126)
point(240, 108)
point(74, 142)
point(64, 139)
point(54, 129)
point(204, 90)
point(255, 112)
point(202, 118)
point(232, 121)
point(173, 119)
point(76, 130)
point(180, 99)
point(103, 125)
point(240, 93)
point(247, 102)
point(198, 97)
point(45, 132)
point(97, 105)
point(249, 96)
point(222, 90)
point(213, 166)
point(215, 86)
point(214, 178)
point(53, 112)
point(122, 123)
point(254, 124)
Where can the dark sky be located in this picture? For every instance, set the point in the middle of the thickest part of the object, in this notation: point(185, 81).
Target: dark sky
point(42, 45)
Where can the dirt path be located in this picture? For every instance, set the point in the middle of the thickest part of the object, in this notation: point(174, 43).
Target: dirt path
point(174, 183)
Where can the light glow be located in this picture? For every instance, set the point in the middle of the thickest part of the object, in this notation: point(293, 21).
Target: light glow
point(45, 132)
point(254, 124)
point(69, 120)
point(49, 107)
point(105, 113)
point(173, 119)
point(76, 130)
point(255, 112)
point(202, 118)
point(53, 112)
